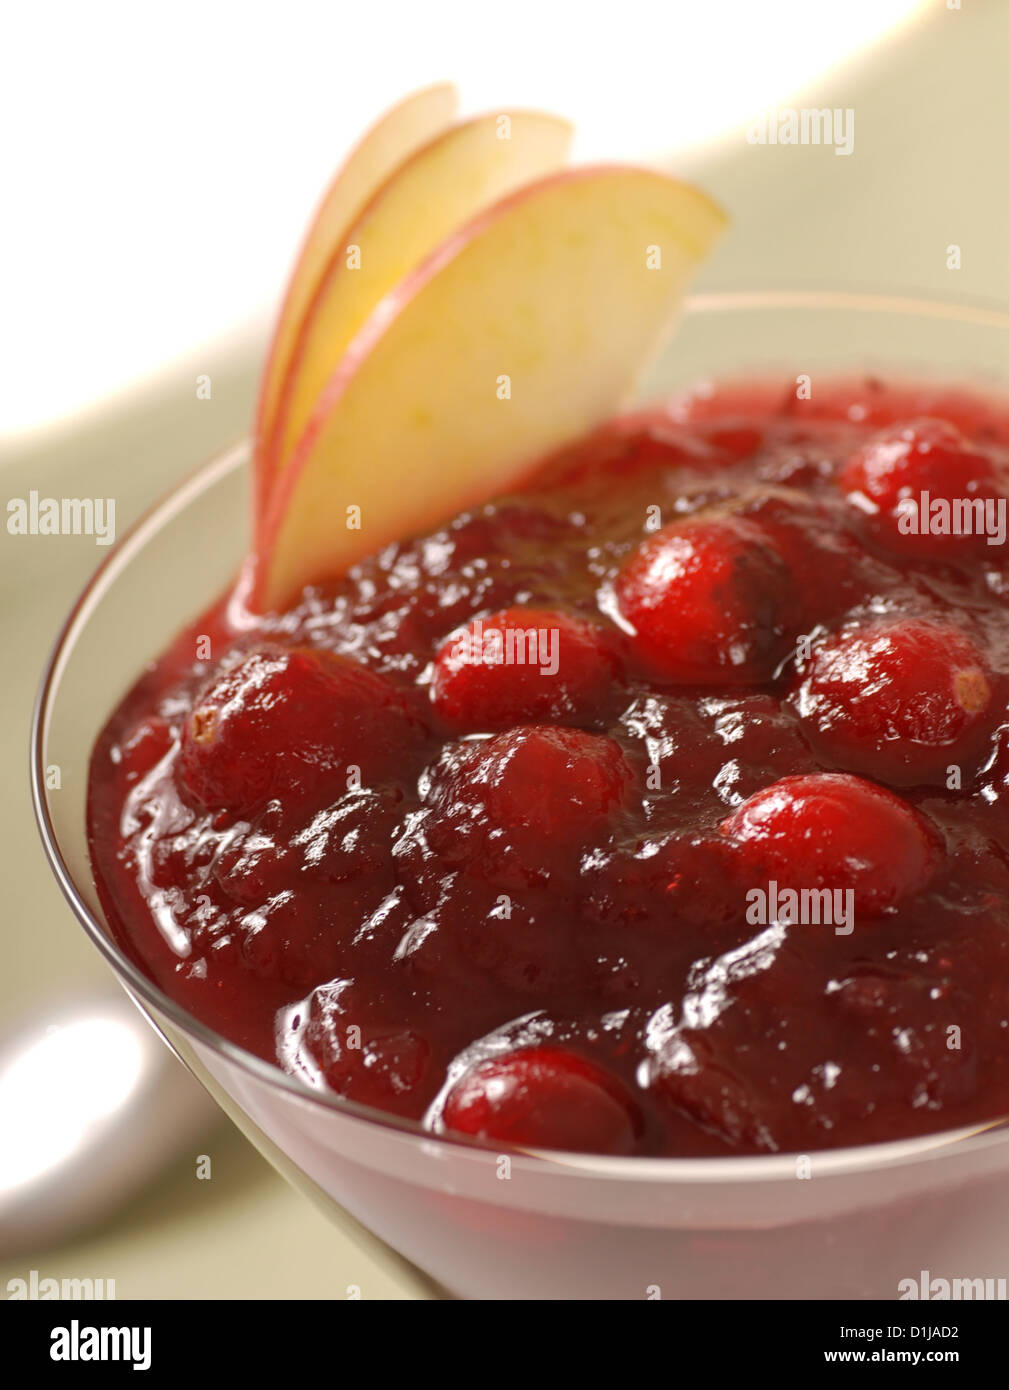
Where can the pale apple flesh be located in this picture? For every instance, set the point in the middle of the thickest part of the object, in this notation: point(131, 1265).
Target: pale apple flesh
point(524, 331)
point(394, 137)
point(433, 193)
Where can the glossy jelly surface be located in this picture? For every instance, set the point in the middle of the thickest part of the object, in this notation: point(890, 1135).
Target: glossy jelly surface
point(659, 808)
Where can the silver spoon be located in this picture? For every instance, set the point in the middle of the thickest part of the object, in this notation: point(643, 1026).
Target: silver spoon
point(92, 1105)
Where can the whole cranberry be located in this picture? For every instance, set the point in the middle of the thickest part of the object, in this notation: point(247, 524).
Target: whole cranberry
point(380, 1063)
point(887, 479)
point(551, 782)
point(710, 600)
point(829, 830)
point(543, 1097)
point(669, 885)
point(901, 700)
point(290, 723)
point(685, 1076)
point(520, 665)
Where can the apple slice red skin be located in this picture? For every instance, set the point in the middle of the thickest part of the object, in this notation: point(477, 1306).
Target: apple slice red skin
point(278, 450)
point(262, 594)
point(431, 110)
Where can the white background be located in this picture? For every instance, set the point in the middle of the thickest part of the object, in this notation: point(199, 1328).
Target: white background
point(159, 161)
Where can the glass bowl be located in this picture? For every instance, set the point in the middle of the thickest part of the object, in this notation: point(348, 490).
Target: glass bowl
point(538, 1225)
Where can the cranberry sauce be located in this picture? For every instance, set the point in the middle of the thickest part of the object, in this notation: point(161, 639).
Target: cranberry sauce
point(662, 808)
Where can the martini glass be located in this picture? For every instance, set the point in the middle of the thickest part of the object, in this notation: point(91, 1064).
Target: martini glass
point(458, 1217)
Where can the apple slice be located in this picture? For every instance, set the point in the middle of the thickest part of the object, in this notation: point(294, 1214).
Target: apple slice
point(430, 195)
point(522, 332)
point(409, 125)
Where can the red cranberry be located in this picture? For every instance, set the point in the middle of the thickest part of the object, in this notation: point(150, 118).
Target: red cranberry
point(287, 723)
point(709, 600)
point(519, 665)
point(887, 477)
point(556, 783)
point(380, 1064)
point(543, 1097)
point(900, 701)
point(669, 886)
point(834, 573)
point(253, 866)
point(521, 940)
point(829, 830)
point(685, 1076)
point(298, 936)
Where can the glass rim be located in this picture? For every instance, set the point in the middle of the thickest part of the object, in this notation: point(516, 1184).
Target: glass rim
point(717, 1170)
